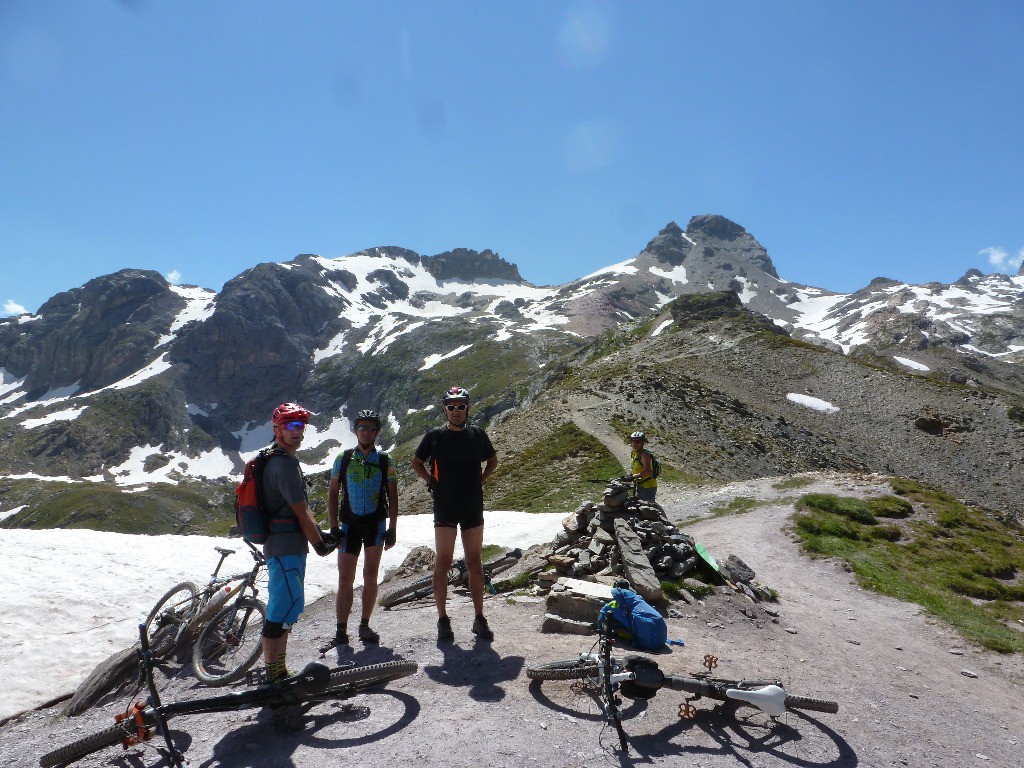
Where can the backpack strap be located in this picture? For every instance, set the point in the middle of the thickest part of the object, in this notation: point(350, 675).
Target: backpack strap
point(282, 519)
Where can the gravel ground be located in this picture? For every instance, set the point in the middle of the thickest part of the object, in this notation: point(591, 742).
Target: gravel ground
point(898, 675)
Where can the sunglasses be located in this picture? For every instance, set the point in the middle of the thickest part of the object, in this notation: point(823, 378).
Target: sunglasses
point(292, 426)
point(456, 407)
point(366, 428)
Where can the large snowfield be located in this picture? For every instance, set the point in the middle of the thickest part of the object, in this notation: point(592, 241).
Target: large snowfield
point(71, 598)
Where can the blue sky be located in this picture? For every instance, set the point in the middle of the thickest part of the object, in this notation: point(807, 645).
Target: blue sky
point(852, 139)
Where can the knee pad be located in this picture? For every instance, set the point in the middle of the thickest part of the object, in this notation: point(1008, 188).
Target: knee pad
point(273, 629)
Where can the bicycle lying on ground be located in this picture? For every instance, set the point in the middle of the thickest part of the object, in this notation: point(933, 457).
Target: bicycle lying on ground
point(639, 677)
point(458, 575)
point(229, 644)
point(141, 721)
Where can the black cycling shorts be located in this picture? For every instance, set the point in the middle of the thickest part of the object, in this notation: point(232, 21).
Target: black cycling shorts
point(450, 517)
point(360, 532)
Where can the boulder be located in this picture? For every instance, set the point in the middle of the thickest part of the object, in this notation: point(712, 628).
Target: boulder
point(635, 565)
point(736, 570)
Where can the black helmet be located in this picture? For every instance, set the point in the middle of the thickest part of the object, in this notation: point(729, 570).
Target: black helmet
point(638, 436)
point(455, 393)
point(367, 415)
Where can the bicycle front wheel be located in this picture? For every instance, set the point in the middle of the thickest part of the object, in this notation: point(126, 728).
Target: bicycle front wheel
point(362, 678)
point(230, 644)
point(76, 750)
point(169, 617)
point(564, 670)
point(412, 591)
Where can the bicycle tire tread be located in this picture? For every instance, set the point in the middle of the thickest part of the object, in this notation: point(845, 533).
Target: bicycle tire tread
point(572, 669)
point(810, 704)
point(373, 674)
point(76, 750)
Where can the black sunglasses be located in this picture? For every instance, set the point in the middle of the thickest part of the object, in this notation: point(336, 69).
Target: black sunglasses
point(456, 407)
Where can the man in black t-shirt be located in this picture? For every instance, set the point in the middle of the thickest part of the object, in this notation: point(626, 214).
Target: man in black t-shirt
point(455, 452)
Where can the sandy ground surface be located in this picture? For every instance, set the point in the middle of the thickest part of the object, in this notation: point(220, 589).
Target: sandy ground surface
point(897, 674)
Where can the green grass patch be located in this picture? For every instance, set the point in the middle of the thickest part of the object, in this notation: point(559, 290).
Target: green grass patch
point(738, 506)
point(791, 483)
point(957, 562)
point(554, 474)
point(162, 508)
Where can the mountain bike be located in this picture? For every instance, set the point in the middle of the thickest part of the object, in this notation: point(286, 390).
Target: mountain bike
point(458, 575)
point(639, 677)
point(229, 643)
point(141, 721)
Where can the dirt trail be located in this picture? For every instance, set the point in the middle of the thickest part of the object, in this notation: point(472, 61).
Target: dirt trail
point(581, 410)
point(903, 699)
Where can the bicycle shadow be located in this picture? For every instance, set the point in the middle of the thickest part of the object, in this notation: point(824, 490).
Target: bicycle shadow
point(479, 668)
point(808, 743)
point(263, 743)
point(596, 715)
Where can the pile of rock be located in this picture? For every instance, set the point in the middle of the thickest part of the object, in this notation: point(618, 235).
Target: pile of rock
point(624, 537)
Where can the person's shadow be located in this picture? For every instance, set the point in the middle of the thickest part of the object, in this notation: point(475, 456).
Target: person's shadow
point(479, 668)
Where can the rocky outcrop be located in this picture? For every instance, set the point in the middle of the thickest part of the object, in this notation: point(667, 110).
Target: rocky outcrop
point(466, 264)
point(91, 336)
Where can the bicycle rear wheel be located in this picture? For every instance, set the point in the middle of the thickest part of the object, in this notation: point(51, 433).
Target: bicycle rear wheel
point(76, 750)
point(412, 591)
point(371, 675)
point(230, 644)
point(564, 670)
point(169, 617)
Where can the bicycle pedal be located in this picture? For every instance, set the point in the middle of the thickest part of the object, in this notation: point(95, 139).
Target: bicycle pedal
point(710, 662)
point(687, 711)
point(257, 677)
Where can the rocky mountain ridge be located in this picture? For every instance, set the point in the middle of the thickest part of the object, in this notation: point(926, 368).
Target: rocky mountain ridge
point(131, 380)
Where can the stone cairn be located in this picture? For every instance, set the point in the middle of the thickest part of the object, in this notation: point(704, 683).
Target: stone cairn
point(625, 537)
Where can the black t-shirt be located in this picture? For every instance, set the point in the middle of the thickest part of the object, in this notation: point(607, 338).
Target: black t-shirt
point(457, 455)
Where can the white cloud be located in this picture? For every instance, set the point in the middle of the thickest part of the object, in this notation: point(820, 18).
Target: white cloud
point(1001, 260)
point(174, 277)
point(11, 307)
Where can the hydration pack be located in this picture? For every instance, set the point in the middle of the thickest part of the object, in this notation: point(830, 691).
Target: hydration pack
point(635, 620)
point(254, 520)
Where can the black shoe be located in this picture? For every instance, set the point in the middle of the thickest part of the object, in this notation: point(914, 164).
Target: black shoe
point(341, 639)
point(444, 630)
point(481, 630)
point(367, 635)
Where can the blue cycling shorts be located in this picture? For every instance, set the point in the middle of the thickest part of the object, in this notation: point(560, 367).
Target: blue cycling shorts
point(286, 601)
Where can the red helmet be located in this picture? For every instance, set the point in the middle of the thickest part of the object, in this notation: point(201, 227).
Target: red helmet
point(286, 412)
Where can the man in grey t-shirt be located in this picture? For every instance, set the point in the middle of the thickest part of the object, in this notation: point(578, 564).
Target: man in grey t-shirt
point(292, 526)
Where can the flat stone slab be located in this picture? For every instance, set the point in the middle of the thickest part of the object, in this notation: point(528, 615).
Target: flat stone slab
point(589, 588)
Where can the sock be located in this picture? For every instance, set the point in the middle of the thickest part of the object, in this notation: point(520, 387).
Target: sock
point(277, 668)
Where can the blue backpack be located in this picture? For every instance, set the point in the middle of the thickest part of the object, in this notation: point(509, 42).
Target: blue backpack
point(635, 619)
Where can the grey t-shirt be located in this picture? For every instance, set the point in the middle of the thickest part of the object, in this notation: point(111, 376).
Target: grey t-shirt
point(284, 485)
